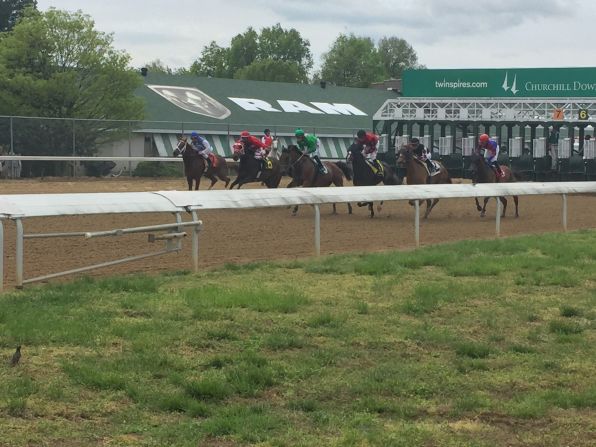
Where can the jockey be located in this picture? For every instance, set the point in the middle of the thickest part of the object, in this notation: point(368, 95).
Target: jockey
point(252, 145)
point(202, 146)
point(422, 154)
point(267, 141)
point(491, 152)
point(310, 144)
point(369, 141)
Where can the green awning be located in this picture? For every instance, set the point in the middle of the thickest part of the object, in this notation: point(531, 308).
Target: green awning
point(335, 147)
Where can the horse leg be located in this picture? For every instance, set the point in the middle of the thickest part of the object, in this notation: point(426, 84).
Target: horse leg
point(224, 178)
point(197, 183)
point(189, 181)
point(504, 202)
point(380, 207)
point(349, 208)
point(483, 212)
point(478, 207)
point(213, 180)
point(334, 209)
point(371, 208)
point(515, 198)
point(295, 210)
point(430, 206)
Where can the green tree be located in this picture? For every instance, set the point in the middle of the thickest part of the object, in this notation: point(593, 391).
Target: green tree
point(272, 54)
point(55, 64)
point(157, 66)
point(11, 10)
point(214, 62)
point(272, 70)
point(352, 62)
point(244, 49)
point(397, 55)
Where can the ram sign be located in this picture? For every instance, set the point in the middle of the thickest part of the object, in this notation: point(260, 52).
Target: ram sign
point(501, 83)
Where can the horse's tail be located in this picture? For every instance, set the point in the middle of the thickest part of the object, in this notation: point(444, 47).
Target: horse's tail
point(345, 169)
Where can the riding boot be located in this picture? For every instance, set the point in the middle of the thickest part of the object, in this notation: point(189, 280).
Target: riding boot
point(379, 167)
point(431, 167)
point(209, 164)
point(319, 163)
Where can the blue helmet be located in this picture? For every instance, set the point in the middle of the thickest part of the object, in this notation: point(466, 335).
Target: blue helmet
point(194, 135)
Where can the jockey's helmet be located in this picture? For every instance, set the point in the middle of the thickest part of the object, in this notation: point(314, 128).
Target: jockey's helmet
point(361, 134)
point(483, 138)
point(194, 135)
point(245, 134)
point(266, 131)
point(299, 133)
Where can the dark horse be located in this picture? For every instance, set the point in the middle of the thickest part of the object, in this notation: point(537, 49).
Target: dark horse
point(417, 173)
point(304, 170)
point(485, 174)
point(249, 167)
point(364, 176)
point(195, 164)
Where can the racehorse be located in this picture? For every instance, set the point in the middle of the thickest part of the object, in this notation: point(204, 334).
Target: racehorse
point(249, 168)
point(364, 176)
point(306, 174)
point(417, 173)
point(485, 174)
point(195, 164)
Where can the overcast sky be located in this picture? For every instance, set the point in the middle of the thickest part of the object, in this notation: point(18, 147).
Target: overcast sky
point(444, 33)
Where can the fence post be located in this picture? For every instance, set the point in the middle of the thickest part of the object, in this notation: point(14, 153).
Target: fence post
point(19, 253)
point(129, 149)
point(417, 222)
point(195, 243)
point(564, 212)
point(74, 148)
point(498, 217)
point(11, 138)
point(317, 230)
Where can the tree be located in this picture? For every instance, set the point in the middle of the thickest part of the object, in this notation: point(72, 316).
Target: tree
point(157, 66)
point(397, 55)
point(11, 10)
point(55, 64)
point(214, 62)
point(274, 53)
point(272, 70)
point(352, 62)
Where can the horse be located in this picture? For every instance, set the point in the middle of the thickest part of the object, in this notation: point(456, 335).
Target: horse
point(485, 174)
point(195, 164)
point(417, 173)
point(249, 168)
point(364, 176)
point(306, 174)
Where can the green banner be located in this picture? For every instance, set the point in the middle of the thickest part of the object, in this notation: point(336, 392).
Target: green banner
point(501, 83)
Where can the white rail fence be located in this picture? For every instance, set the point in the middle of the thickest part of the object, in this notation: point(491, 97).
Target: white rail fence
point(19, 207)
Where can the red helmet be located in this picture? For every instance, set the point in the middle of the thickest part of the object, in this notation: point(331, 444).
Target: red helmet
point(483, 138)
point(245, 134)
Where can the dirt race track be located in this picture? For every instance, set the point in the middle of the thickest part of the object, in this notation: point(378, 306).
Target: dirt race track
point(262, 234)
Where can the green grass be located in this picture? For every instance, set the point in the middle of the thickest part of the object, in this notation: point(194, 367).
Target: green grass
point(477, 343)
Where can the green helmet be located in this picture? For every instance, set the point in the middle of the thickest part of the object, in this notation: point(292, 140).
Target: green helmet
point(299, 133)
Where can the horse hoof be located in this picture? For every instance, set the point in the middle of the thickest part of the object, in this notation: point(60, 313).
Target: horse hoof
point(478, 208)
point(482, 214)
point(379, 209)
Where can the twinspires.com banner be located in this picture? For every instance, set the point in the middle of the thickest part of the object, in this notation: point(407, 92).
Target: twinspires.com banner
point(501, 83)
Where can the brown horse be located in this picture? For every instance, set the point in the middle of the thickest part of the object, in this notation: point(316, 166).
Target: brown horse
point(417, 173)
point(195, 164)
point(485, 174)
point(304, 168)
point(249, 167)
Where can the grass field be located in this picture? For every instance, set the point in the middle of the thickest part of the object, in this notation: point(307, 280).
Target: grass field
point(479, 343)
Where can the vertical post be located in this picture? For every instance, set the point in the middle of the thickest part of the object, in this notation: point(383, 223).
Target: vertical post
point(19, 252)
point(1, 256)
point(74, 148)
point(498, 217)
point(565, 212)
point(195, 243)
point(317, 230)
point(417, 222)
point(11, 138)
point(129, 148)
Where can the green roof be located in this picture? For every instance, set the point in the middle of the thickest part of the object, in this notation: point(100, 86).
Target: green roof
point(276, 105)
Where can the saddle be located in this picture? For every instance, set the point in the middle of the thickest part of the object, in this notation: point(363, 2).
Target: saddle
point(376, 167)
